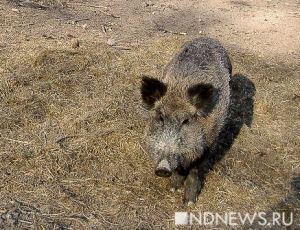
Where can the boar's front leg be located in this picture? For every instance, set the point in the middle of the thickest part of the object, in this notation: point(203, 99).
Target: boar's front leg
point(177, 180)
point(193, 186)
point(194, 182)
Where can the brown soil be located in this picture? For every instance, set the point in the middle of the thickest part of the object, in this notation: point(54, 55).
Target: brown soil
point(71, 120)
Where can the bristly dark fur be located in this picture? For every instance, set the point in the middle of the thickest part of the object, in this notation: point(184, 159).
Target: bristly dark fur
point(192, 110)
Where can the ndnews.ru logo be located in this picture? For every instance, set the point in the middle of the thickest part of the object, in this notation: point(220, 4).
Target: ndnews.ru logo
point(233, 218)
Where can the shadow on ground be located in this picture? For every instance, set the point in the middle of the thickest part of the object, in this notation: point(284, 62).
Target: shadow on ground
point(240, 113)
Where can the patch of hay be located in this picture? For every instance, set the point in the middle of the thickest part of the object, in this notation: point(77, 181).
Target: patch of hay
point(71, 127)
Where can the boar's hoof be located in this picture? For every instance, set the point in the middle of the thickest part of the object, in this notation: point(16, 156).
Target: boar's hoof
point(173, 190)
point(163, 169)
point(190, 203)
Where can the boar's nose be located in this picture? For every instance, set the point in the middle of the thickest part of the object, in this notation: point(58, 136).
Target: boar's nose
point(163, 169)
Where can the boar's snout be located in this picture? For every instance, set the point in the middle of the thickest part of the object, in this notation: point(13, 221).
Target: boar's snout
point(163, 169)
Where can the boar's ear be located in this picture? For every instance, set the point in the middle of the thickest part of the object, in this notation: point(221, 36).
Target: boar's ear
point(152, 90)
point(201, 96)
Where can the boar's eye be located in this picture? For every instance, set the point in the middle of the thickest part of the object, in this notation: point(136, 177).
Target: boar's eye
point(185, 121)
point(160, 118)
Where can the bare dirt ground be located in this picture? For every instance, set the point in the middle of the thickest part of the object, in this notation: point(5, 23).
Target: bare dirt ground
point(71, 121)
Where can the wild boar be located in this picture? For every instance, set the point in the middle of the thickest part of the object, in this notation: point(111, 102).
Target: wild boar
point(187, 107)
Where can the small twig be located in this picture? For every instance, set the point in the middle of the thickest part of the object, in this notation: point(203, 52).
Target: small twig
point(105, 220)
point(2, 211)
point(48, 36)
point(33, 5)
point(68, 191)
point(121, 47)
point(78, 201)
point(25, 222)
point(103, 29)
point(109, 14)
point(67, 137)
point(172, 32)
point(104, 7)
point(27, 205)
point(53, 214)
point(161, 28)
point(94, 6)
point(80, 180)
point(270, 167)
point(26, 24)
point(17, 141)
point(80, 20)
point(296, 96)
point(78, 216)
point(144, 151)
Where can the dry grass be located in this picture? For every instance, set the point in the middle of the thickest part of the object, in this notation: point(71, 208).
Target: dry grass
point(41, 4)
point(71, 126)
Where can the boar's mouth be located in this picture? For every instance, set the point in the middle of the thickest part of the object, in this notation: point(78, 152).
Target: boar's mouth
point(163, 169)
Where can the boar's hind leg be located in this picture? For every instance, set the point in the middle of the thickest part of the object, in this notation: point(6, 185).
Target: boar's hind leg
point(177, 181)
